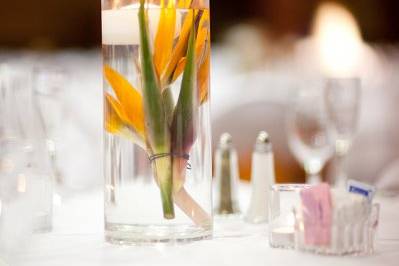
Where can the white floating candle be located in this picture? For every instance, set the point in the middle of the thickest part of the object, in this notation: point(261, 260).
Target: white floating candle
point(121, 26)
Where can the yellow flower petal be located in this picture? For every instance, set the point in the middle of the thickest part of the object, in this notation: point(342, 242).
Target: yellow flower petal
point(113, 114)
point(163, 43)
point(179, 49)
point(129, 98)
point(200, 53)
point(184, 3)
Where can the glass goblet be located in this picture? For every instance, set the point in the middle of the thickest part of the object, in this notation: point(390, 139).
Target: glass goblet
point(308, 134)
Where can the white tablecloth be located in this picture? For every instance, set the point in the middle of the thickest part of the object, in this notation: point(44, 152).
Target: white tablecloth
point(77, 239)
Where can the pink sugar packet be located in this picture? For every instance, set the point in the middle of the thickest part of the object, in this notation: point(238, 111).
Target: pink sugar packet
point(317, 214)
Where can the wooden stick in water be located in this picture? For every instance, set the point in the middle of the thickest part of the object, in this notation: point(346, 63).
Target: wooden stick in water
point(191, 208)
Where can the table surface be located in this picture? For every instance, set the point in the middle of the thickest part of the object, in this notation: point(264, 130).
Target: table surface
point(77, 239)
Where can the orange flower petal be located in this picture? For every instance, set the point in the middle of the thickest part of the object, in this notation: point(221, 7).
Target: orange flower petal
point(201, 45)
point(116, 121)
point(204, 57)
point(129, 98)
point(204, 21)
point(203, 78)
point(179, 69)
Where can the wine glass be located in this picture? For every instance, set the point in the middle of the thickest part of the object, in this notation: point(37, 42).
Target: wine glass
point(308, 133)
point(342, 99)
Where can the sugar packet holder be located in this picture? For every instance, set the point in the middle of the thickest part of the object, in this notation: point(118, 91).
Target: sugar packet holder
point(335, 222)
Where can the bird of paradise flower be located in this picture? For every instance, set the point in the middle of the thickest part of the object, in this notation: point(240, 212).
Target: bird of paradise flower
point(150, 118)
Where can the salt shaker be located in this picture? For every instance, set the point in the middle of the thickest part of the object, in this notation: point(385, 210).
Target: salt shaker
point(261, 179)
point(227, 176)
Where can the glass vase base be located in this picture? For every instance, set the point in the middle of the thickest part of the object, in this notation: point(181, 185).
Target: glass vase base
point(123, 234)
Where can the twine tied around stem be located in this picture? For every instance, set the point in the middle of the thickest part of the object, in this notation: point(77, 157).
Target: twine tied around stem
point(185, 156)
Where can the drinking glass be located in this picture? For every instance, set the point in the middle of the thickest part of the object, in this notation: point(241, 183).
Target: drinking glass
point(157, 147)
point(24, 158)
point(342, 99)
point(49, 89)
point(308, 134)
point(11, 139)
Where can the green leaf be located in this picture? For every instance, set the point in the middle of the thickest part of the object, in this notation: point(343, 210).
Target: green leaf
point(183, 134)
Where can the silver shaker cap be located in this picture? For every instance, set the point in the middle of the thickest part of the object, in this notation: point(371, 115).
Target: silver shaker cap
point(263, 143)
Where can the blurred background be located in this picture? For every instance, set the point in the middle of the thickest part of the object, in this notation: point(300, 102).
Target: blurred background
point(263, 52)
point(76, 24)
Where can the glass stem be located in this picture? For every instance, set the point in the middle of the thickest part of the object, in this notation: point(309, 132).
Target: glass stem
point(313, 178)
point(340, 176)
point(313, 169)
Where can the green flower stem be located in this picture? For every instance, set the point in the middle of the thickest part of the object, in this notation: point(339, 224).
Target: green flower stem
point(169, 104)
point(157, 130)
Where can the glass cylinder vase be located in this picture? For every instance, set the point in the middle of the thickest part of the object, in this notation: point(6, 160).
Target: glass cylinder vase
point(156, 57)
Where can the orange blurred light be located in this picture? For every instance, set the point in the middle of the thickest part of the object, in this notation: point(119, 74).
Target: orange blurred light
point(338, 39)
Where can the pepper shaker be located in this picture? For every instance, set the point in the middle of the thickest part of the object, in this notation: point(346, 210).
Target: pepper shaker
point(227, 176)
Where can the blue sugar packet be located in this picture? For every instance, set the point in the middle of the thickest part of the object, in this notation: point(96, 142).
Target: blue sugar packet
point(360, 188)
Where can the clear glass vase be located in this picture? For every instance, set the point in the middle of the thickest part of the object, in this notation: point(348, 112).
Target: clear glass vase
point(157, 154)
